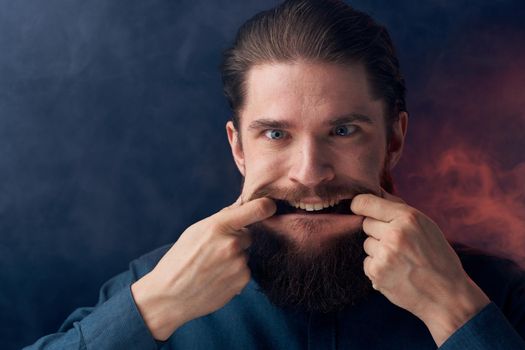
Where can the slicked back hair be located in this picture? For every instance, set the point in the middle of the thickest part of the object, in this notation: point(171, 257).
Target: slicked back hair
point(324, 31)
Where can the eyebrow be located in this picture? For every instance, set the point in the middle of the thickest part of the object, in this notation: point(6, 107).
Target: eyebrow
point(268, 124)
point(350, 118)
point(265, 123)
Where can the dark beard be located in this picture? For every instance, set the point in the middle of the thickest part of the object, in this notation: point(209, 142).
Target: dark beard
point(309, 281)
point(306, 280)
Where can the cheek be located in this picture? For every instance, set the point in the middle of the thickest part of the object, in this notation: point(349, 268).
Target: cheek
point(364, 163)
point(374, 157)
point(263, 167)
point(371, 164)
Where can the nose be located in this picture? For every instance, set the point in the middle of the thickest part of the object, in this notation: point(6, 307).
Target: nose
point(310, 164)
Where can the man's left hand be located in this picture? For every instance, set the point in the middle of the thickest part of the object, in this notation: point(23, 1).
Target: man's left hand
point(411, 263)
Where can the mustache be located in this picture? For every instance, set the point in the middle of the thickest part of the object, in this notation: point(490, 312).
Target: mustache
point(325, 191)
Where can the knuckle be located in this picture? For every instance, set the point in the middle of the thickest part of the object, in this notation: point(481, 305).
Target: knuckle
point(410, 217)
point(388, 259)
point(237, 246)
point(397, 239)
point(229, 249)
point(367, 266)
point(225, 227)
point(365, 263)
point(380, 253)
point(380, 269)
point(366, 223)
point(372, 271)
point(234, 246)
point(221, 226)
point(367, 244)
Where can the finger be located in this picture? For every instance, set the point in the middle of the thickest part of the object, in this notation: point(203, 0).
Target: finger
point(375, 207)
point(366, 267)
point(391, 197)
point(371, 246)
point(247, 213)
point(375, 228)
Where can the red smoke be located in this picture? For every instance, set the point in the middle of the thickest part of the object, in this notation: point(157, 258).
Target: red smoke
point(464, 165)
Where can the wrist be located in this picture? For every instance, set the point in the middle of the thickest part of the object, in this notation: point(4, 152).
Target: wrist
point(161, 318)
point(454, 310)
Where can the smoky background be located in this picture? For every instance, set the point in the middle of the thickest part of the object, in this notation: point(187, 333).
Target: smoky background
point(112, 135)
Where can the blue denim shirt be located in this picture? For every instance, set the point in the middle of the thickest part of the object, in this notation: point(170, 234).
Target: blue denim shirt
point(250, 321)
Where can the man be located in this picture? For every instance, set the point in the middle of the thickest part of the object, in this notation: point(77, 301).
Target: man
point(317, 252)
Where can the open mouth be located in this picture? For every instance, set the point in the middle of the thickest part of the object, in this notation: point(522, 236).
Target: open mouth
point(328, 207)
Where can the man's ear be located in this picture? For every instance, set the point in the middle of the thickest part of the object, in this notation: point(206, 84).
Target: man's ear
point(236, 146)
point(397, 139)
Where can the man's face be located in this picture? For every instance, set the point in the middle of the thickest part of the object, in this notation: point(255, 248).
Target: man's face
point(311, 136)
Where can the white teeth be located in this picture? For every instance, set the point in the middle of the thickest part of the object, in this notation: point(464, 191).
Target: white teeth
point(314, 206)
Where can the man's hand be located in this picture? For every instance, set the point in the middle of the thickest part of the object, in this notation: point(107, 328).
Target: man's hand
point(411, 263)
point(202, 271)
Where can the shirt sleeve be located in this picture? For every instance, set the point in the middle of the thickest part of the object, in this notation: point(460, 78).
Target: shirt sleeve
point(114, 323)
point(487, 330)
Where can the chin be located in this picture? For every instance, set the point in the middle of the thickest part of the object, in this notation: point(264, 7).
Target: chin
point(308, 270)
point(311, 228)
point(314, 231)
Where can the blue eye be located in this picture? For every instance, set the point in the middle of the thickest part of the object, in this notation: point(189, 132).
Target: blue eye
point(274, 134)
point(345, 130)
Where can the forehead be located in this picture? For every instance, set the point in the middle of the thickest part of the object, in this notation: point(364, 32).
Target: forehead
point(309, 92)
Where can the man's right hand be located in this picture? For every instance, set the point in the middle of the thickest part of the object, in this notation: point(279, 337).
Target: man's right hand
point(202, 271)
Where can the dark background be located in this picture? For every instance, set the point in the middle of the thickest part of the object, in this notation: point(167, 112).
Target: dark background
point(112, 135)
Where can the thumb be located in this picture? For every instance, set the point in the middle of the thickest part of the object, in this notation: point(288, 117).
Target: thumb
point(247, 213)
